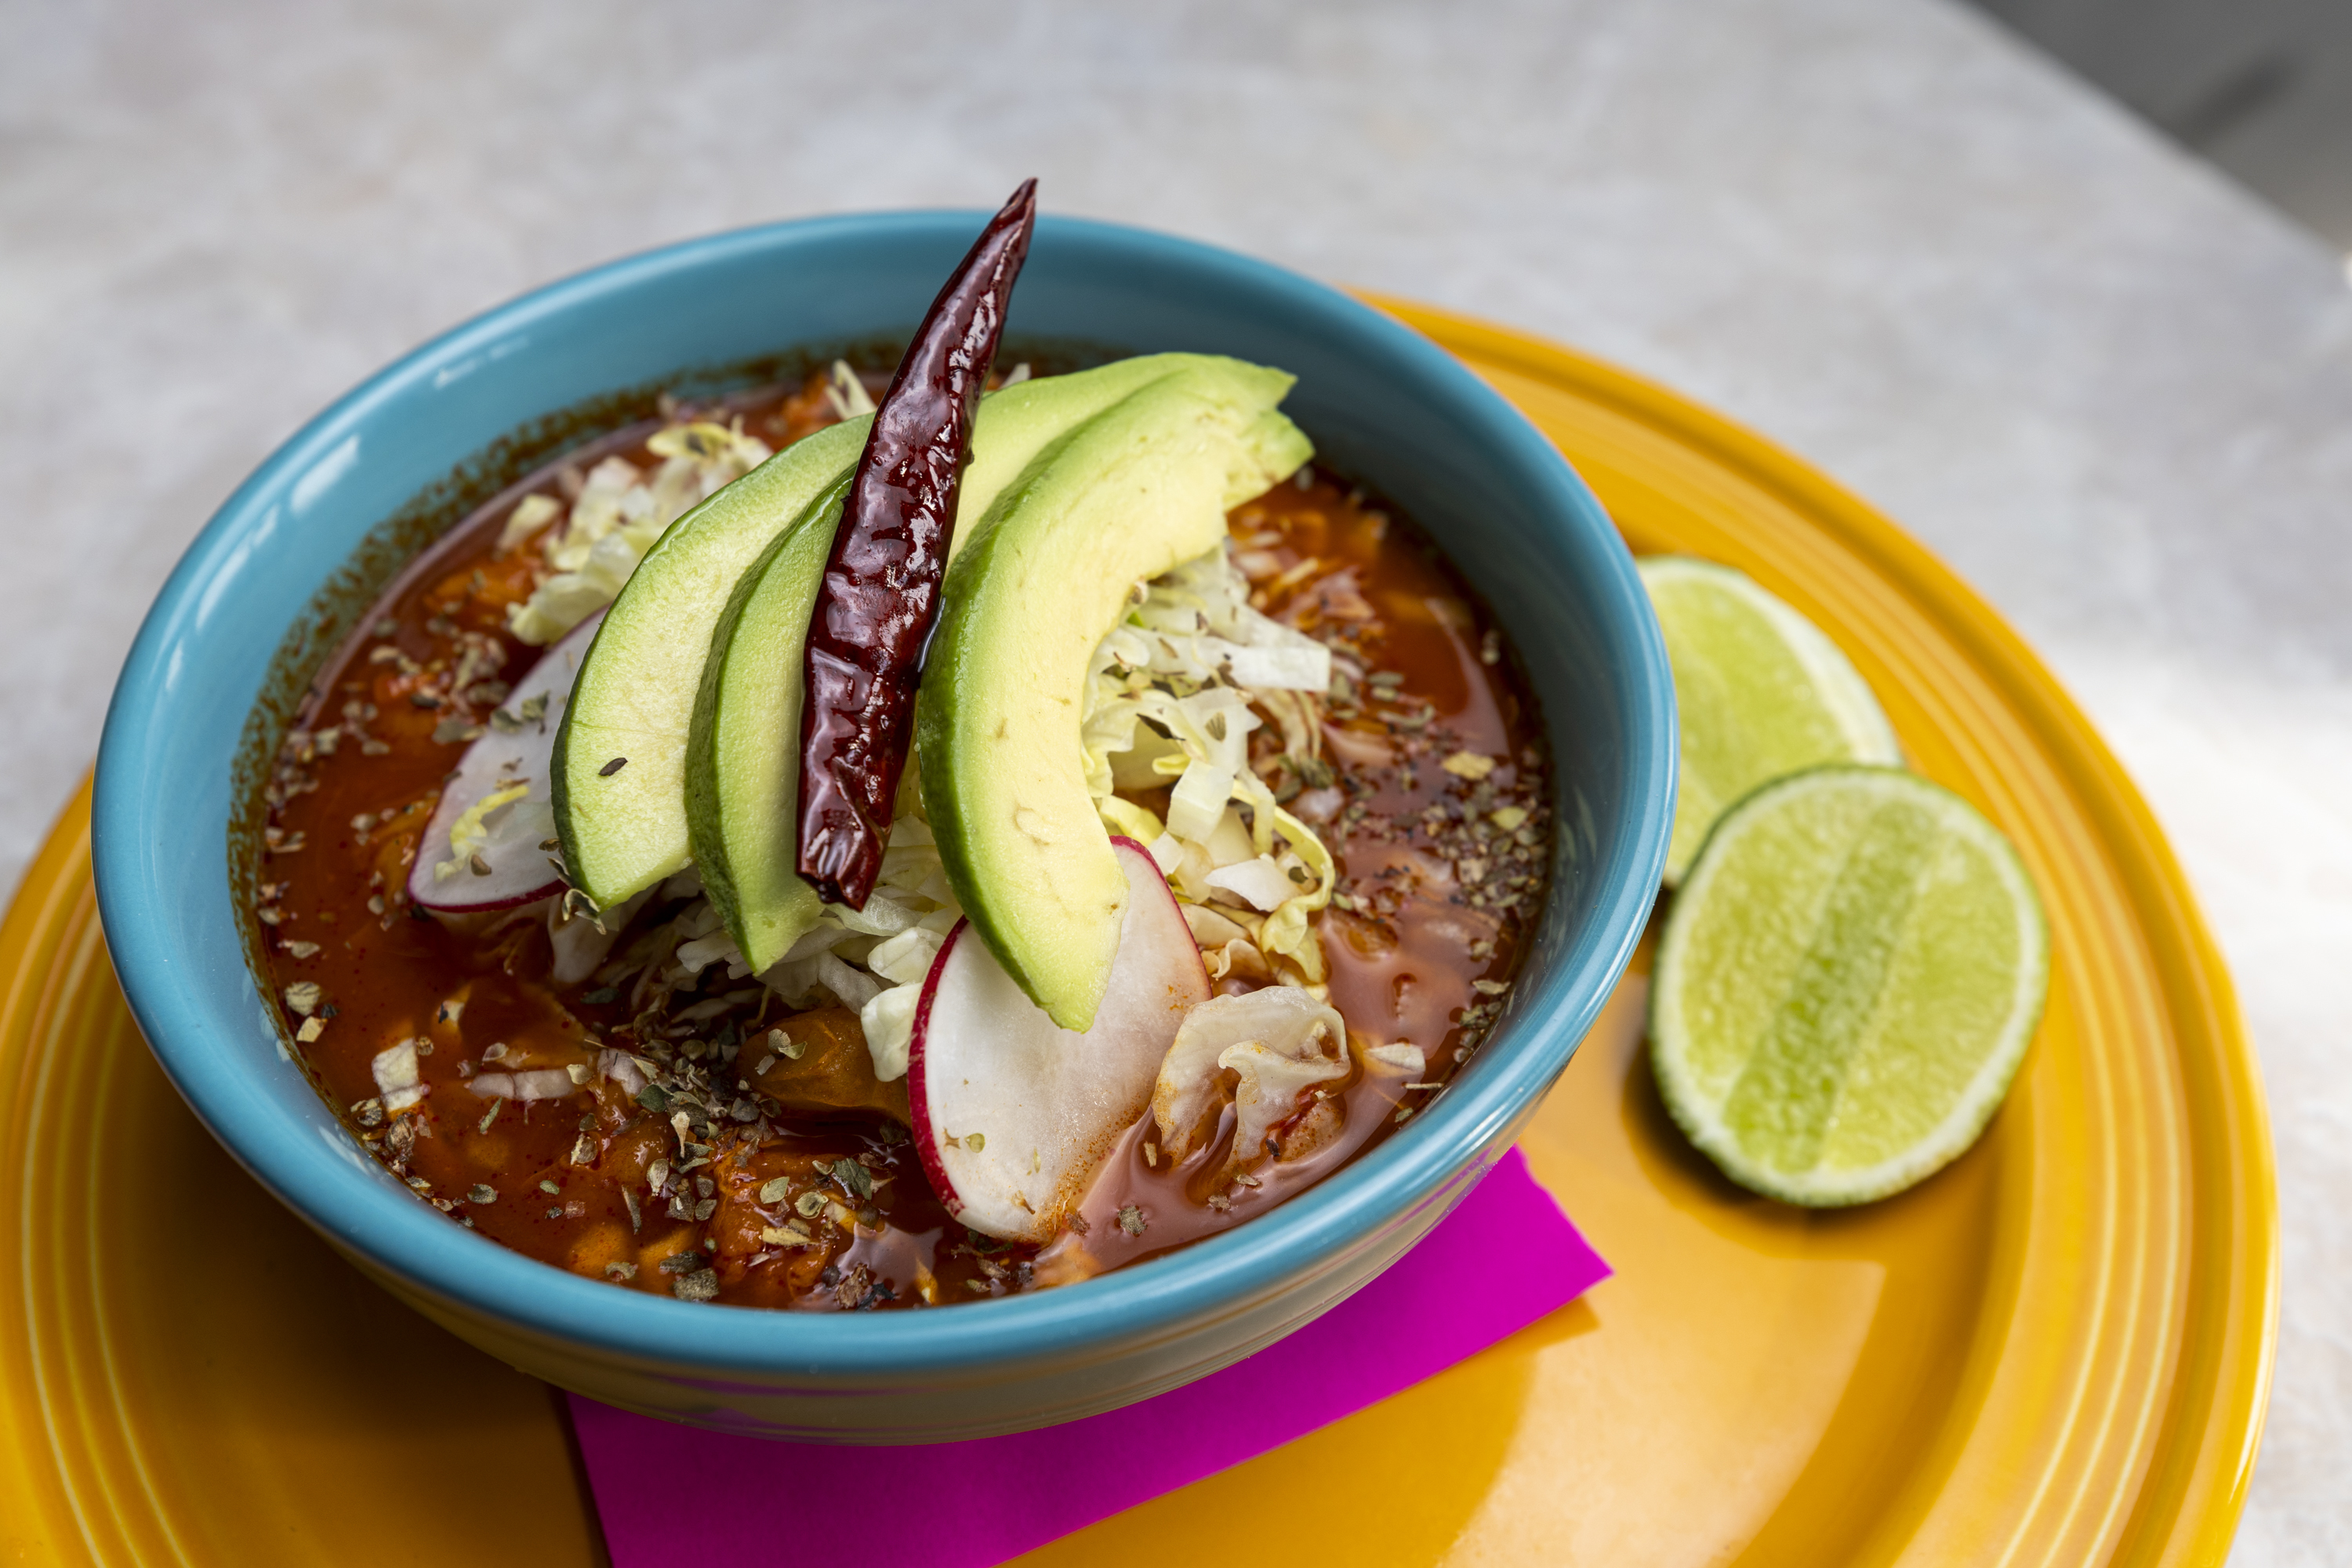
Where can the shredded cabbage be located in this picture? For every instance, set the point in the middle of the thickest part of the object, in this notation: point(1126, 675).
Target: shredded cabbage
point(530, 514)
point(845, 392)
point(620, 512)
point(1164, 704)
point(1175, 693)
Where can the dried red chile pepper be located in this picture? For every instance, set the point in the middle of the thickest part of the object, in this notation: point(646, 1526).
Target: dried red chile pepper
point(880, 595)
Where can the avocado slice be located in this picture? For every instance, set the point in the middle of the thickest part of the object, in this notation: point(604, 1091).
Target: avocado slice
point(625, 829)
point(1042, 580)
point(619, 759)
point(742, 770)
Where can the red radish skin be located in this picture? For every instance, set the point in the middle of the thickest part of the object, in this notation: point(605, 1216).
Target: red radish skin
point(520, 871)
point(927, 1137)
point(1159, 953)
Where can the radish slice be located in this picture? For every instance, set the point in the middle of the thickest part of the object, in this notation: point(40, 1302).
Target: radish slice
point(519, 764)
point(1014, 1115)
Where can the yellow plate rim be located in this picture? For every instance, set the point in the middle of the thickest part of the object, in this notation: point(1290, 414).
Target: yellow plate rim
point(2194, 1488)
point(2197, 1451)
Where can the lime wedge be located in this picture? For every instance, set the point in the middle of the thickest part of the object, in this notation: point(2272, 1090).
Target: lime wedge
point(1846, 982)
point(1759, 690)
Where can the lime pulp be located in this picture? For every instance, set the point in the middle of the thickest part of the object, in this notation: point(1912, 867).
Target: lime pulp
point(1846, 982)
point(1759, 690)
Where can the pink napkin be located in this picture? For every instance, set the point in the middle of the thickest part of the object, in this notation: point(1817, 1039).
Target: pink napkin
point(670, 1495)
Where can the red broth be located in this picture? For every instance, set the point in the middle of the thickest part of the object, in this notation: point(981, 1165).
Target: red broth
point(1430, 788)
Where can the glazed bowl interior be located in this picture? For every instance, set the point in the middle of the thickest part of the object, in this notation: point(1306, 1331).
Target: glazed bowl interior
point(285, 568)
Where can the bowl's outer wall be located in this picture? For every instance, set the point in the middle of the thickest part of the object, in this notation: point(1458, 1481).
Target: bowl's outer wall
point(1384, 405)
point(1052, 1388)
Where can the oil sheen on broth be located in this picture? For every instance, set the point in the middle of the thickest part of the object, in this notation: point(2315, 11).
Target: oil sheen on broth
point(763, 1164)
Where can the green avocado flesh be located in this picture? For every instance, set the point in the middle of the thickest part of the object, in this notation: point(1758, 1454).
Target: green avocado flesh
point(620, 758)
point(639, 686)
point(1044, 575)
point(742, 770)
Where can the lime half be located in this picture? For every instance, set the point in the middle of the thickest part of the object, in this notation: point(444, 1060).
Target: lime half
point(1759, 690)
point(1846, 982)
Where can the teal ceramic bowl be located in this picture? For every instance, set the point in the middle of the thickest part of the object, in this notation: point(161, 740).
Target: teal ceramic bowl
point(281, 574)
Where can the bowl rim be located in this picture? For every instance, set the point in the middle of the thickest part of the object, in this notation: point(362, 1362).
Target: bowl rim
point(1139, 1305)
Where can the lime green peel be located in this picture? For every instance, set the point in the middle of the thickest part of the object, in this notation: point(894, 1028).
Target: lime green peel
point(1761, 693)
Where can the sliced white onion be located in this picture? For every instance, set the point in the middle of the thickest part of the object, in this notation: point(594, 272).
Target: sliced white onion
point(622, 1069)
point(1357, 747)
point(397, 1077)
point(1281, 668)
point(539, 1083)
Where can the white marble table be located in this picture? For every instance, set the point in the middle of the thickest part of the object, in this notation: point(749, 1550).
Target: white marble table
point(2110, 389)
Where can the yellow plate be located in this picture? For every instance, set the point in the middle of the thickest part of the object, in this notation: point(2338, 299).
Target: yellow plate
point(2054, 1351)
